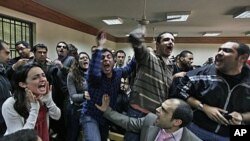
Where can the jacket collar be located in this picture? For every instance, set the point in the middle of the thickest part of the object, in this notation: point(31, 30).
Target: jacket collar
point(151, 133)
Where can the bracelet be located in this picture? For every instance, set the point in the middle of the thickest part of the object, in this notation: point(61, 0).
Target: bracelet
point(241, 117)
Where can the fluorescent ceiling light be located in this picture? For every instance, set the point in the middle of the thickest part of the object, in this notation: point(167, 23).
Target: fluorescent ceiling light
point(245, 13)
point(113, 21)
point(209, 34)
point(178, 16)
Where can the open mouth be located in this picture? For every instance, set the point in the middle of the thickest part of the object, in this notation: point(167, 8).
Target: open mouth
point(169, 47)
point(42, 87)
point(218, 58)
point(106, 67)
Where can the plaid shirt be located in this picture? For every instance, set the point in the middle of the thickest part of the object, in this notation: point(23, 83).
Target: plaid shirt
point(99, 84)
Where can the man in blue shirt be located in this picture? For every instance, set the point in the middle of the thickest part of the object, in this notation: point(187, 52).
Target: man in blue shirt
point(103, 78)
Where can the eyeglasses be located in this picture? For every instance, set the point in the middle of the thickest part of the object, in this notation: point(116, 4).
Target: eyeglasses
point(227, 50)
point(62, 47)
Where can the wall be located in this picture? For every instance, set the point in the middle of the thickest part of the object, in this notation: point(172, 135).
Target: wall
point(201, 51)
point(50, 34)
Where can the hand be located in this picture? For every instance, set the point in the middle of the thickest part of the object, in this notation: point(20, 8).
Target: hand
point(86, 95)
point(19, 63)
point(180, 74)
point(58, 63)
point(105, 103)
point(139, 32)
point(48, 60)
point(236, 118)
point(31, 97)
point(101, 38)
point(215, 114)
point(47, 98)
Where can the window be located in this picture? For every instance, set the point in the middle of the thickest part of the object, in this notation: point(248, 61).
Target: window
point(13, 30)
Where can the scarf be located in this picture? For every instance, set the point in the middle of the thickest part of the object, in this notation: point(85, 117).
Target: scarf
point(41, 124)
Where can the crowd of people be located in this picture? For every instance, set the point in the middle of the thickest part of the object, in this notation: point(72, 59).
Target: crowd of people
point(149, 98)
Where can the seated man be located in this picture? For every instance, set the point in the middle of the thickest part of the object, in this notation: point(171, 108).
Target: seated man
point(167, 124)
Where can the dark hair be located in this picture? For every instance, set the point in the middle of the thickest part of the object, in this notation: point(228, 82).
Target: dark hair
point(72, 50)
point(63, 43)
point(183, 112)
point(22, 42)
point(75, 69)
point(107, 50)
point(19, 93)
point(1, 44)
point(158, 38)
point(119, 51)
point(243, 49)
point(21, 135)
point(39, 46)
point(83, 53)
point(184, 53)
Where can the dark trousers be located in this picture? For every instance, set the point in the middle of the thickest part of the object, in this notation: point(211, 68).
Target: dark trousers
point(59, 126)
point(73, 122)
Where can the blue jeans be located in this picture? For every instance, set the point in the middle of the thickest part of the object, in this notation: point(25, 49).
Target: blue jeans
point(131, 136)
point(204, 134)
point(93, 131)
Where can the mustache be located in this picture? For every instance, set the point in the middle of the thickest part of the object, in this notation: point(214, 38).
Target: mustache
point(169, 47)
point(218, 57)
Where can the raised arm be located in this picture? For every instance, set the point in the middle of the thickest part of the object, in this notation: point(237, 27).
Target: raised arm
point(135, 38)
point(94, 73)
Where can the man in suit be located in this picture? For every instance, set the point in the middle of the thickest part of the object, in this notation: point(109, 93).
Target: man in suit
point(168, 124)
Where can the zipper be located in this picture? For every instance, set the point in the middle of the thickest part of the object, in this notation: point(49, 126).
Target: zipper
point(228, 99)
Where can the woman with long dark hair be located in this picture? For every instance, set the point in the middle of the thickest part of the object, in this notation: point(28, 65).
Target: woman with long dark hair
point(77, 86)
point(31, 104)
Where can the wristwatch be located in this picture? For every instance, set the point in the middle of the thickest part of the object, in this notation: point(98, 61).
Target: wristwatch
point(200, 106)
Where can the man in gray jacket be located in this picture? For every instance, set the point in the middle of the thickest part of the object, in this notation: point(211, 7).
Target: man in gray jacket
point(167, 124)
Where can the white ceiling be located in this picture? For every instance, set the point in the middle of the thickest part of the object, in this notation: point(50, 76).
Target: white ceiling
point(206, 15)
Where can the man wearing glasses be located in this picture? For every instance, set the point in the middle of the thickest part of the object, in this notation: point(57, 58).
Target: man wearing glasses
point(219, 92)
point(59, 90)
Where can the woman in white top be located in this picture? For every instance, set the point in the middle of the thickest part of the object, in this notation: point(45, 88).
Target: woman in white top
point(31, 104)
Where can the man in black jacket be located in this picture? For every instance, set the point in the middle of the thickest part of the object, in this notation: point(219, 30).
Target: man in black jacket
point(59, 90)
point(5, 86)
point(219, 92)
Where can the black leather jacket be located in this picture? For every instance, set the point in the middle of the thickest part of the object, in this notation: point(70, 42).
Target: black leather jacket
point(206, 85)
